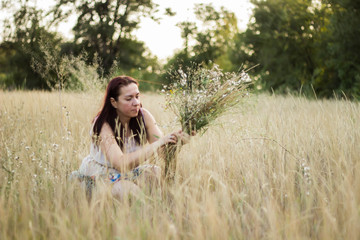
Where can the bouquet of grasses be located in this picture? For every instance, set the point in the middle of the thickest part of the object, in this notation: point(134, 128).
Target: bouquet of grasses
point(198, 96)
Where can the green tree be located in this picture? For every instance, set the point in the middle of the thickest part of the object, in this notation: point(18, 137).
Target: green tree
point(214, 44)
point(339, 48)
point(103, 31)
point(104, 28)
point(181, 58)
point(188, 31)
point(280, 39)
point(303, 45)
point(21, 45)
point(211, 42)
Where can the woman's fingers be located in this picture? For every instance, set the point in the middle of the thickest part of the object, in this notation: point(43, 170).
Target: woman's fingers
point(183, 137)
point(171, 138)
point(179, 136)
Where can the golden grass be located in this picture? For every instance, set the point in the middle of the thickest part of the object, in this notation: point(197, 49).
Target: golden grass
point(278, 168)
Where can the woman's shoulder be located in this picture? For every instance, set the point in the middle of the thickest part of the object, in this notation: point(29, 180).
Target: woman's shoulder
point(106, 128)
point(152, 130)
point(148, 117)
point(145, 111)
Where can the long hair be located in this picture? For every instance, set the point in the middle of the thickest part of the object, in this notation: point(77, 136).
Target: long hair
point(108, 114)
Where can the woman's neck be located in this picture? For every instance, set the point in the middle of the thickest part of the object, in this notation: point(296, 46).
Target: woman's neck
point(124, 120)
point(125, 123)
point(126, 126)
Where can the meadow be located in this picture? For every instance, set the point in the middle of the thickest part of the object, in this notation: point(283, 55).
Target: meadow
point(276, 167)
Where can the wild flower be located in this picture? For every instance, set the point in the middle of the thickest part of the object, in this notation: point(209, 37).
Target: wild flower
point(305, 171)
point(200, 95)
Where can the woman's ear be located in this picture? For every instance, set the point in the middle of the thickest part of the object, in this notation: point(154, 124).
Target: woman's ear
point(113, 102)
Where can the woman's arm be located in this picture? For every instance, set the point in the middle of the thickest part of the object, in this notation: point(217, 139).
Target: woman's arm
point(153, 131)
point(125, 162)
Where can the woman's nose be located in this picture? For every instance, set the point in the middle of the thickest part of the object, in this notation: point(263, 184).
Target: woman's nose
point(136, 102)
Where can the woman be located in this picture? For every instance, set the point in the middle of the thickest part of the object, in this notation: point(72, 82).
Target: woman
point(119, 133)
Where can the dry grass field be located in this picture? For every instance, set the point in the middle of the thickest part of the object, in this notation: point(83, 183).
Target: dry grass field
point(275, 168)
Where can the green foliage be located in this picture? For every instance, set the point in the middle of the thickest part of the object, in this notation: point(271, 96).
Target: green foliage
point(75, 73)
point(211, 43)
point(104, 31)
point(340, 44)
point(69, 72)
point(21, 46)
point(148, 76)
point(33, 57)
point(301, 46)
point(279, 39)
point(104, 28)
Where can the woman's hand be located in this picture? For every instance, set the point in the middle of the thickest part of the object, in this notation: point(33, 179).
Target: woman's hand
point(184, 137)
point(177, 136)
point(170, 138)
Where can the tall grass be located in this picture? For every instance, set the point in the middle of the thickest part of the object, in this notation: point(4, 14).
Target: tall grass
point(277, 168)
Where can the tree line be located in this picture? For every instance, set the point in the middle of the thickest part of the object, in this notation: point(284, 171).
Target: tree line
point(303, 46)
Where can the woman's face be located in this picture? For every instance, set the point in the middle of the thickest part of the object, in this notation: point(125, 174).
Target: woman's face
point(128, 103)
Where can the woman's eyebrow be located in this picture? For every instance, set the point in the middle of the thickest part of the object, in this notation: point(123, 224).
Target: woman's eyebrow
point(130, 95)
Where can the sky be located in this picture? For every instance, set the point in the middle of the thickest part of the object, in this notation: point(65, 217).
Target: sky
point(164, 38)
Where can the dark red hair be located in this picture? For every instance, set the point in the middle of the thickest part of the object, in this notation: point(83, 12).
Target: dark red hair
point(108, 113)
